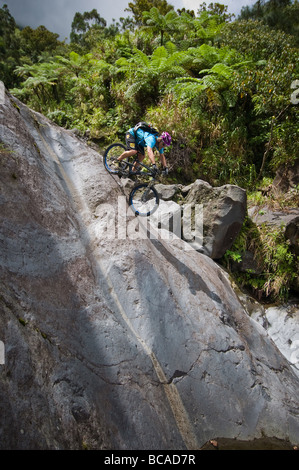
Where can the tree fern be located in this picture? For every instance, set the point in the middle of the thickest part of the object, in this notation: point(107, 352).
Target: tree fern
point(221, 70)
point(161, 23)
point(171, 48)
point(213, 82)
point(152, 73)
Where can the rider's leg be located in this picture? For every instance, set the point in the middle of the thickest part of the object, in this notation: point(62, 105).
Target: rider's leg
point(140, 159)
point(131, 150)
point(126, 154)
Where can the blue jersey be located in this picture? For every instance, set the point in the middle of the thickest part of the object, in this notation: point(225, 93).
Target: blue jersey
point(145, 139)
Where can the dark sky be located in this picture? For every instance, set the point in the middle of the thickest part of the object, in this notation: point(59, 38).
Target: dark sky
point(57, 15)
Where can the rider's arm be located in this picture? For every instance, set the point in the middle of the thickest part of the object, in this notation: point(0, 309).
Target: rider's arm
point(163, 160)
point(151, 154)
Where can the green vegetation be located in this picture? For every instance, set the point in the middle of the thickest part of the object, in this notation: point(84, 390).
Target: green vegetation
point(221, 86)
point(271, 273)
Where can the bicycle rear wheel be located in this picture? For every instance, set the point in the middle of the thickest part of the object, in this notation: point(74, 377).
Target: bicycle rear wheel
point(110, 157)
point(144, 200)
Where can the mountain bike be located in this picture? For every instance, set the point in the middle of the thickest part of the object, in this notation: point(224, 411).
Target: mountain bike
point(144, 198)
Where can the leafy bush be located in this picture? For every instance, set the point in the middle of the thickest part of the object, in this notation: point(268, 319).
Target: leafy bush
point(275, 266)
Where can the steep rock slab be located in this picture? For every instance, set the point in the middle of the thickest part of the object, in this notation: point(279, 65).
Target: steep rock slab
point(117, 342)
point(75, 376)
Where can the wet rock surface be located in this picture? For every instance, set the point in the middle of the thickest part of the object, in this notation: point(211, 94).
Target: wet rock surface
point(124, 342)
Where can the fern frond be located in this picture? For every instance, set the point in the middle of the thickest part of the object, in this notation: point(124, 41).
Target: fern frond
point(134, 88)
point(170, 48)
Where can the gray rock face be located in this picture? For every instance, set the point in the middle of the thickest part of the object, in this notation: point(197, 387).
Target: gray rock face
point(113, 339)
point(271, 217)
point(281, 324)
point(224, 211)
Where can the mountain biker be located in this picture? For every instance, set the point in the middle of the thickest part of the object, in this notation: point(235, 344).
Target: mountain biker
point(136, 143)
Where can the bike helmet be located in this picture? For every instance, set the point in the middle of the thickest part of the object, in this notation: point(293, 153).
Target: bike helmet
point(166, 138)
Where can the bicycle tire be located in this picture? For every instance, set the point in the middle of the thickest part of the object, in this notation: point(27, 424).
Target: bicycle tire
point(145, 207)
point(110, 156)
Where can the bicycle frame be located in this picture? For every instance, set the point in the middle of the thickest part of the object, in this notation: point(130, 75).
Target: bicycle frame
point(143, 198)
point(131, 172)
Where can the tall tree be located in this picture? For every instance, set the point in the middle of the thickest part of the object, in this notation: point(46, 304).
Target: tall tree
point(216, 9)
point(137, 7)
point(9, 47)
point(278, 14)
point(36, 41)
point(83, 22)
point(145, 78)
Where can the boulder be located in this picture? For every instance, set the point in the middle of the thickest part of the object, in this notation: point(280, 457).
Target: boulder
point(286, 177)
point(167, 191)
point(266, 215)
point(223, 209)
point(118, 342)
point(292, 234)
point(211, 218)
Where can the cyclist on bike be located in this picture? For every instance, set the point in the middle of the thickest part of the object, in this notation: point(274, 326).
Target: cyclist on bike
point(136, 143)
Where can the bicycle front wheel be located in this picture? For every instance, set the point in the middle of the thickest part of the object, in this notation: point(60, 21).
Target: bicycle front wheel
point(110, 157)
point(144, 200)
